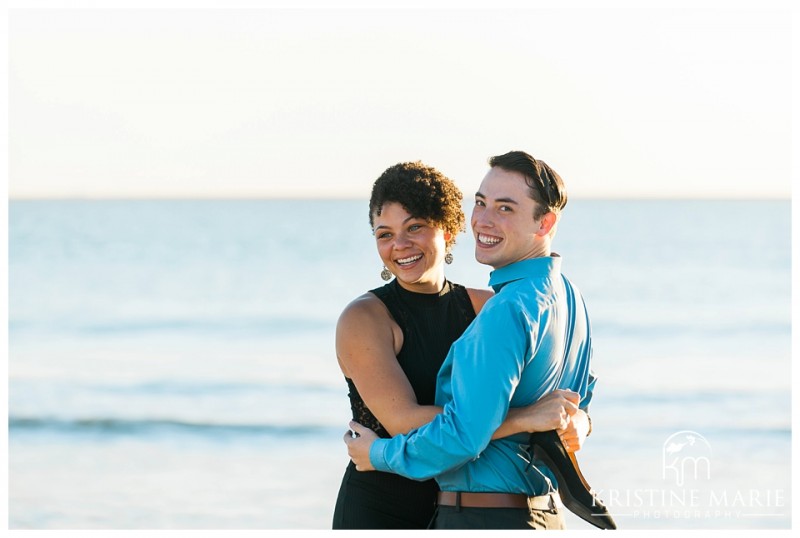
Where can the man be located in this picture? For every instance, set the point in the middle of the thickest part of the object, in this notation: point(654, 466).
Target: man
point(531, 342)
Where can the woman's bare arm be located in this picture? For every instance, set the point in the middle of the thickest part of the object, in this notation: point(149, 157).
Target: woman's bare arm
point(366, 344)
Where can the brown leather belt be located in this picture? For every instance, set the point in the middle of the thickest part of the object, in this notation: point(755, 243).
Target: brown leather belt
point(496, 500)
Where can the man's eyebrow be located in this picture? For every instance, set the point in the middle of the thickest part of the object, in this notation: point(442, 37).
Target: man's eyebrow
point(479, 194)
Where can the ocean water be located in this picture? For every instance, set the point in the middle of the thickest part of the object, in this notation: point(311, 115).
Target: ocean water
point(171, 363)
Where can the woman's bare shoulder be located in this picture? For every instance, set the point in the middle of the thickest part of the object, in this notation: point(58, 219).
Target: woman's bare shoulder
point(365, 305)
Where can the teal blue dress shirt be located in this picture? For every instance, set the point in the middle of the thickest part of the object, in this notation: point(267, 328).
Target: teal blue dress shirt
point(532, 337)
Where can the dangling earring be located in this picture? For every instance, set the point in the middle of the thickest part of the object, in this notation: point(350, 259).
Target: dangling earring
point(448, 258)
point(386, 274)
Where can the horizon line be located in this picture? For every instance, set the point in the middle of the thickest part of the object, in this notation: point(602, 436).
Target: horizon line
point(101, 198)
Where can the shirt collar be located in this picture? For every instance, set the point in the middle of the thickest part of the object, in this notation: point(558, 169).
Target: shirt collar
point(532, 267)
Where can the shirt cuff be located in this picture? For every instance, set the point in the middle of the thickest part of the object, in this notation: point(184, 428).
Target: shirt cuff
point(376, 455)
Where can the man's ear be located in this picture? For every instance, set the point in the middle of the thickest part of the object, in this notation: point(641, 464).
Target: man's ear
point(548, 221)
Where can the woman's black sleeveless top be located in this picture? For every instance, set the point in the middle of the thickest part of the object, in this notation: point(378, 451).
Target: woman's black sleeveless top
point(430, 324)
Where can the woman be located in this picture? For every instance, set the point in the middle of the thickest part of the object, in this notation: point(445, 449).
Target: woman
point(391, 341)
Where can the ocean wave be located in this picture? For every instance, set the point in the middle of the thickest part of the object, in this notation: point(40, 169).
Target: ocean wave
point(644, 328)
point(199, 388)
point(263, 326)
point(708, 396)
point(124, 426)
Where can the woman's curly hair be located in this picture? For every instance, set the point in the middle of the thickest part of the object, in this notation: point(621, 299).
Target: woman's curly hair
point(424, 192)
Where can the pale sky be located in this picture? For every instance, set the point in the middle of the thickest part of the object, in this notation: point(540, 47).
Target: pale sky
point(318, 102)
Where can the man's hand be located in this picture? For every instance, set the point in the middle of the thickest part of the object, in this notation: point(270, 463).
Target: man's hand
point(358, 446)
point(574, 433)
point(551, 412)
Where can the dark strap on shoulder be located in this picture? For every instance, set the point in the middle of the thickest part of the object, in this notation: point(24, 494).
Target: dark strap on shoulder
point(464, 302)
point(388, 296)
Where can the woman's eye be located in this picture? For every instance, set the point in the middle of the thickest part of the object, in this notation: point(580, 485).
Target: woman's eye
point(383, 235)
point(414, 227)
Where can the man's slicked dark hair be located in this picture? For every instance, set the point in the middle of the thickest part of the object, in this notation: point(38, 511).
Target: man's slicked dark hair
point(424, 192)
point(545, 186)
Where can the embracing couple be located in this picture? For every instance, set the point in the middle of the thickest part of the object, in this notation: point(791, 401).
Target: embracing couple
point(447, 383)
